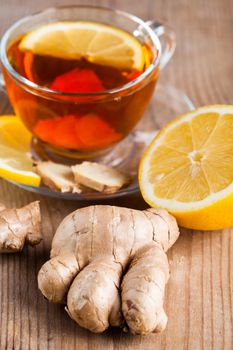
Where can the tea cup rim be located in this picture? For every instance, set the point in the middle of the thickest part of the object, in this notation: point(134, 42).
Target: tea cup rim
point(38, 89)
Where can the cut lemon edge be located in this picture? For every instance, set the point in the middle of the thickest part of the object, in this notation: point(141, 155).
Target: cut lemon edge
point(96, 42)
point(23, 177)
point(13, 133)
point(213, 212)
point(15, 161)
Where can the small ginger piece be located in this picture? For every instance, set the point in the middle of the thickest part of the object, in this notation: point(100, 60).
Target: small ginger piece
point(18, 226)
point(58, 177)
point(99, 177)
point(109, 266)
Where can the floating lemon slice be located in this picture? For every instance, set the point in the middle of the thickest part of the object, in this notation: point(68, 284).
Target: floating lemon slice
point(15, 160)
point(98, 43)
point(188, 168)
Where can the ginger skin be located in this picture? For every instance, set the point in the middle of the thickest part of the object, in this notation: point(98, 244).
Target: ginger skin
point(18, 226)
point(109, 265)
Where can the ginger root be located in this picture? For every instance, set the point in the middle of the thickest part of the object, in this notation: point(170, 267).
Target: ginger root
point(58, 177)
point(18, 226)
point(76, 178)
point(109, 265)
point(99, 177)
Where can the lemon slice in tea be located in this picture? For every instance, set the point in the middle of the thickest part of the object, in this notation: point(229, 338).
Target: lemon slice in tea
point(15, 161)
point(97, 43)
point(188, 168)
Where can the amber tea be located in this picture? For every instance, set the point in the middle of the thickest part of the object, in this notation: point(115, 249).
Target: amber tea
point(84, 113)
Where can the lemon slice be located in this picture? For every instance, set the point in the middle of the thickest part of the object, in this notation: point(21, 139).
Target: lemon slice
point(98, 43)
point(188, 168)
point(15, 161)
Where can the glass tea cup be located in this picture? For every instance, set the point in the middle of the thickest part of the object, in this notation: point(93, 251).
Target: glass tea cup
point(84, 125)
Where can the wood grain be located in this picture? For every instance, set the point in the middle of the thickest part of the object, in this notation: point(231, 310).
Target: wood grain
point(199, 295)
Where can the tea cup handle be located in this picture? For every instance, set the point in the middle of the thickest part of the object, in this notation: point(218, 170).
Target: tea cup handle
point(167, 38)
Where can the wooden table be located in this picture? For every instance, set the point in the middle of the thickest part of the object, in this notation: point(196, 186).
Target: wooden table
point(199, 295)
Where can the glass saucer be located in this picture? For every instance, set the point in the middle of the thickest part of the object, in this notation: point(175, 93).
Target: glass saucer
point(167, 103)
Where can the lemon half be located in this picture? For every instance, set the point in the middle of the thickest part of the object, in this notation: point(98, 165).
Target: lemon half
point(188, 168)
point(15, 160)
